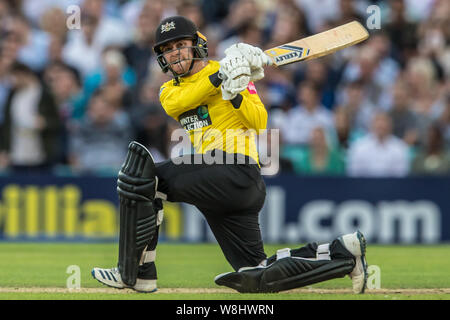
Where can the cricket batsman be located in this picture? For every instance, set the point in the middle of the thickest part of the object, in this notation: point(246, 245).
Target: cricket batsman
point(218, 106)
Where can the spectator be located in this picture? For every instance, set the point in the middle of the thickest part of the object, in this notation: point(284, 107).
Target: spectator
point(131, 10)
point(402, 32)
point(388, 69)
point(5, 10)
point(364, 68)
point(434, 159)
point(280, 87)
point(35, 11)
point(139, 52)
point(433, 37)
point(65, 84)
point(114, 77)
point(320, 157)
point(324, 77)
point(31, 123)
point(404, 120)
point(109, 31)
point(278, 110)
point(402, 69)
point(5, 65)
point(241, 13)
point(329, 9)
point(421, 79)
point(82, 51)
point(357, 107)
point(150, 121)
point(303, 118)
point(348, 12)
point(248, 32)
point(285, 22)
point(423, 92)
point(192, 10)
point(444, 121)
point(215, 11)
point(99, 143)
point(379, 154)
point(345, 132)
point(33, 44)
point(53, 22)
point(99, 31)
point(5, 87)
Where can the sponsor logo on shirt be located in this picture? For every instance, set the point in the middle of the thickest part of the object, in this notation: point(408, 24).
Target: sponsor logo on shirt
point(196, 118)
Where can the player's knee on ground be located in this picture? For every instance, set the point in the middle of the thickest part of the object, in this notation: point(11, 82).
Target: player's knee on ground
point(287, 270)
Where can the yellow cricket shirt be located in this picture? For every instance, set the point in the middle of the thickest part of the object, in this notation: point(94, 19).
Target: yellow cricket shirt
point(211, 122)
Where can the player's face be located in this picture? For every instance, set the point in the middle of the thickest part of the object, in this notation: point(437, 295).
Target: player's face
point(178, 54)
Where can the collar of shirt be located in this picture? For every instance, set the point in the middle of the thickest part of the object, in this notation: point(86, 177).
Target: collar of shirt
point(210, 68)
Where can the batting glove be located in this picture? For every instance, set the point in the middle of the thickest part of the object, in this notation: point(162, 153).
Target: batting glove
point(235, 74)
point(255, 57)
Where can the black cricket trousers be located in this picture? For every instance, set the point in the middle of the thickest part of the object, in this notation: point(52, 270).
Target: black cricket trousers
point(230, 196)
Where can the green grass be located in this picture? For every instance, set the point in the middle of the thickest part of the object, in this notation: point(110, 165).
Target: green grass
point(27, 265)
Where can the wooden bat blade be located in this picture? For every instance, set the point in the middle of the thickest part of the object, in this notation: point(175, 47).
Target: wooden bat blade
point(318, 45)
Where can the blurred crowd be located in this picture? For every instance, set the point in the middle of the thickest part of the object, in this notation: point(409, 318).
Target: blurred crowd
point(76, 89)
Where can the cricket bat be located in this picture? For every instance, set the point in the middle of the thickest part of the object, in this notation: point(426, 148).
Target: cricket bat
point(317, 45)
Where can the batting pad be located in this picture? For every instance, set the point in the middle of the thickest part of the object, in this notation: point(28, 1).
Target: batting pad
point(285, 274)
point(136, 187)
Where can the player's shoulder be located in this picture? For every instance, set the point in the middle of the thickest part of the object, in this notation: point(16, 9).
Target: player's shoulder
point(166, 86)
point(213, 64)
point(211, 67)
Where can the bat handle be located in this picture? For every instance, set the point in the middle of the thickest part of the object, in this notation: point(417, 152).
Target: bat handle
point(267, 60)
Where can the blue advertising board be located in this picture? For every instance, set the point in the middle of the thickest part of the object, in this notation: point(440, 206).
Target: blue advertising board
point(395, 210)
point(297, 210)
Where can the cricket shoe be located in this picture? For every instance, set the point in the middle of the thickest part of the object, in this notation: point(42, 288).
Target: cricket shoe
point(111, 277)
point(355, 243)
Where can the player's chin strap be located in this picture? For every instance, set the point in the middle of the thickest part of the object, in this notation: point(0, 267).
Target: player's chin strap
point(178, 76)
point(191, 66)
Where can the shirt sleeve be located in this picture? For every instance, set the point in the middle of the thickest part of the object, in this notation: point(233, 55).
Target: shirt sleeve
point(249, 108)
point(178, 99)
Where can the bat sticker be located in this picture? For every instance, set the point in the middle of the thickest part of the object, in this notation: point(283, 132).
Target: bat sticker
point(295, 52)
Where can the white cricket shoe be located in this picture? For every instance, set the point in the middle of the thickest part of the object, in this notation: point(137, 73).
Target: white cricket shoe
point(356, 244)
point(111, 278)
